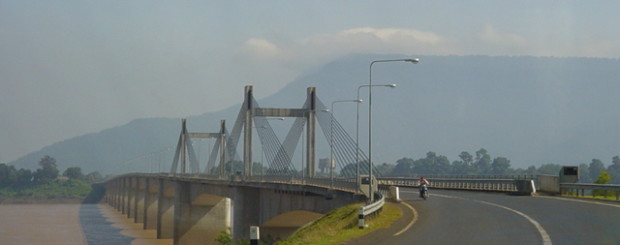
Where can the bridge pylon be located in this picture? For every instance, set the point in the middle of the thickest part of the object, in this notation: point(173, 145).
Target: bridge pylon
point(185, 148)
point(307, 112)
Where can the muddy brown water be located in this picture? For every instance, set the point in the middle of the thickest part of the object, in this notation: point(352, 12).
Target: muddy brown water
point(68, 224)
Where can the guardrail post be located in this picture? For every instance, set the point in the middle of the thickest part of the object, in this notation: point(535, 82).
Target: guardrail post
point(254, 235)
point(360, 218)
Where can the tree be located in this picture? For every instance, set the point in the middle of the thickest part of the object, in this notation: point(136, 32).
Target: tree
point(404, 167)
point(93, 177)
point(467, 158)
point(24, 177)
point(603, 178)
point(596, 166)
point(584, 173)
point(464, 166)
point(8, 175)
point(500, 165)
point(432, 164)
point(531, 170)
point(73, 173)
point(549, 168)
point(614, 169)
point(48, 170)
point(386, 168)
point(483, 161)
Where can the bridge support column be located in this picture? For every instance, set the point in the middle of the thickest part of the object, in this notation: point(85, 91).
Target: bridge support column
point(118, 185)
point(150, 204)
point(310, 132)
point(245, 211)
point(141, 193)
point(198, 218)
point(165, 210)
point(132, 194)
point(247, 138)
point(125, 196)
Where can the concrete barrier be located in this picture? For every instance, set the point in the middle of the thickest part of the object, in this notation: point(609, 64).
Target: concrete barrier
point(549, 184)
point(394, 194)
point(525, 187)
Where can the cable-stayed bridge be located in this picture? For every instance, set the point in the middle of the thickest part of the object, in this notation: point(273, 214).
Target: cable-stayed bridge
point(225, 158)
point(194, 202)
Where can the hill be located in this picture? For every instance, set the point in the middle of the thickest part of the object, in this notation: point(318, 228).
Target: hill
point(532, 110)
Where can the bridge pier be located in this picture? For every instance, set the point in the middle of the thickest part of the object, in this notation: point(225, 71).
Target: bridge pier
point(141, 193)
point(150, 204)
point(165, 210)
point(199, 218)
point(131, 198)
point(246, 211)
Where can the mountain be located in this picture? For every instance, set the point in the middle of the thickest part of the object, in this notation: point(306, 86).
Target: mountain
point(532, 110)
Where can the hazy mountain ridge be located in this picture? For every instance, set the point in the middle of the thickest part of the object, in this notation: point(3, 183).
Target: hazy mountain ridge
point(532, 110)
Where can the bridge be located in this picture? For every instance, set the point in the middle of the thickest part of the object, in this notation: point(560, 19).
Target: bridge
point(192, 204)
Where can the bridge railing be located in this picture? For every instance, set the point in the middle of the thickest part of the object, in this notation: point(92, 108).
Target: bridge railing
point(342, 184)
point(473, 176)
point(507, 185)
point(580, 188)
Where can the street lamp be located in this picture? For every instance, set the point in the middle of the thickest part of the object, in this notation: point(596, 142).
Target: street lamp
point(357, 129)
point(331, 140)
point(414, 61)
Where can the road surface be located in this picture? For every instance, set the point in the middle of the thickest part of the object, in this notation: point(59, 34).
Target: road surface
point(466, 217)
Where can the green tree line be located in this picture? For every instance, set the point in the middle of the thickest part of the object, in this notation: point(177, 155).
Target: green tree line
point(45, 180)
point(482, 163)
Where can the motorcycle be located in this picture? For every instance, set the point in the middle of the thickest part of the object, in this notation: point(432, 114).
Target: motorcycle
point(424, 192)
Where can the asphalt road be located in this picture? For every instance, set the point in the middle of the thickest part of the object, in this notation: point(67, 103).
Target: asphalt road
point(464, 217)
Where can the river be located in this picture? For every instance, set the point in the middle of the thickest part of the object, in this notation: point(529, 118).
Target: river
point(68, 224)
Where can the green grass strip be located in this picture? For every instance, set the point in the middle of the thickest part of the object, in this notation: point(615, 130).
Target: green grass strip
point(340, 225)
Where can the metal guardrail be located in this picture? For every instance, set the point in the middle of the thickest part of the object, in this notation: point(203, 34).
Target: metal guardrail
point(579, 188)
point(472, 176)
point(507, 185)
point(370, 209)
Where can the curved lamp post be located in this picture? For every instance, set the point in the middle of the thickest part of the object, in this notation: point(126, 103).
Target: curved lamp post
point(357, 129)
point(414, 61)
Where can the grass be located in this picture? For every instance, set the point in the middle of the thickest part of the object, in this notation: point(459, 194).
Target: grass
point(610, 196)
point(340, 225)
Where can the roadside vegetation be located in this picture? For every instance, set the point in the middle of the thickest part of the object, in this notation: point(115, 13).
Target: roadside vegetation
point(44, 183)
point(603, 178)
point(340, 226)
point(482, 163)
point(336, 227)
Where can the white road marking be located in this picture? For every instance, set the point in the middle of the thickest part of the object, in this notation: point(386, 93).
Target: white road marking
point(415, 218)
point(545, 237)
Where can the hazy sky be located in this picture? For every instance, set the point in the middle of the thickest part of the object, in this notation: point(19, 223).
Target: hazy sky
point(73, 67)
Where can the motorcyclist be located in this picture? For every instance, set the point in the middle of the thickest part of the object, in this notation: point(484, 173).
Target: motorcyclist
point(423, 185)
